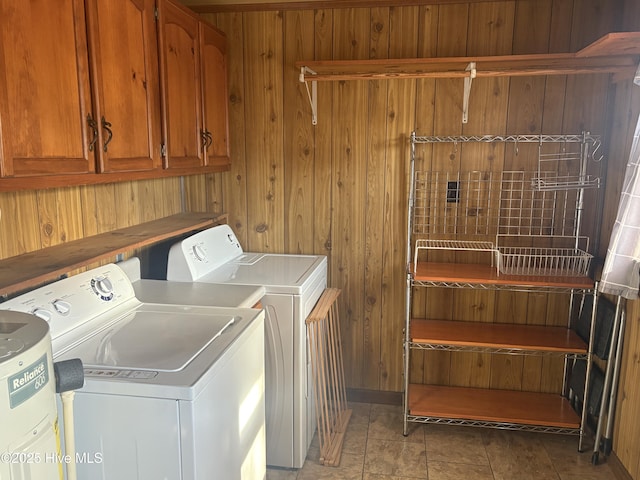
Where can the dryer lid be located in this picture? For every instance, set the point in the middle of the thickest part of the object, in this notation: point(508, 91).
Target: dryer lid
point(161, 341)
point(268, 270)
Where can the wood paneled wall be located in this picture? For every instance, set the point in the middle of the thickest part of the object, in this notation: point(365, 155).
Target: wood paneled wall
point(340, 188)
point(31, 220)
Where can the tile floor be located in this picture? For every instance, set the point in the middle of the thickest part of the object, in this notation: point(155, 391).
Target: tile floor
point(375, 449)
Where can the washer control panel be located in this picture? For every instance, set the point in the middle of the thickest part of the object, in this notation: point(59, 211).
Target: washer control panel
point(71, 302)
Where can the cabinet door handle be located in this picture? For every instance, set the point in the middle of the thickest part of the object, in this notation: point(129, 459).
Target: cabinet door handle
point(203, 136)
point(93, 126)
point(107, 126)
point(207, 139)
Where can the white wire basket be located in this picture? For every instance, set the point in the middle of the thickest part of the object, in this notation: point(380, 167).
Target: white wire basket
point(545, 261)
point(424, 245)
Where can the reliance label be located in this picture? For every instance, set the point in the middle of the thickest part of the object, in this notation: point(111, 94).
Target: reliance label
point(26, 383)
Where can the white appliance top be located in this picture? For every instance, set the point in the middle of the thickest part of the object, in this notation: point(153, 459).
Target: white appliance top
point(204, 294)
point(215, 256)
point(18, 333)
point(127, 346)
point(152, 339)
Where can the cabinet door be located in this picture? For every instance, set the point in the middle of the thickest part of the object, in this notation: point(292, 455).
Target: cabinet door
point(214, 94)
point(123, 48)
point(44, 99)
point(180, 85)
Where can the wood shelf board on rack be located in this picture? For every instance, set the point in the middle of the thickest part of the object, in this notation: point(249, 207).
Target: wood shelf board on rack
point(34, 268)
point(613, 53)
point(497, 335)
point(505, 406)
point(483, 274)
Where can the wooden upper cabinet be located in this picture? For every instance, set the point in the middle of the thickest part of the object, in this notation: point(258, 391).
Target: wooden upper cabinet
point(123, 49)
point(194, 90)
point(214, 95)
point(95, 91)
point(181, 87)
point(45, 97)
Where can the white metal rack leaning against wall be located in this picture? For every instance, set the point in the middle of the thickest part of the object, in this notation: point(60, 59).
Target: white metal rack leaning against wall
point(500, 230)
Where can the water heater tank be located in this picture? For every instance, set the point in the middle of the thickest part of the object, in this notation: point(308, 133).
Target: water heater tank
point(29, 440)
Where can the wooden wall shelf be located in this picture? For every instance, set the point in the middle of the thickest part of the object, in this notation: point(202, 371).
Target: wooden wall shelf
point(612, 53)
point(615, 53)
point(35, 268)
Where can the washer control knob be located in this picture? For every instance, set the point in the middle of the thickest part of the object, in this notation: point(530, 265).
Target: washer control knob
point(42, 313)
point(62, 307)
point(102, 287)
point(199, 253)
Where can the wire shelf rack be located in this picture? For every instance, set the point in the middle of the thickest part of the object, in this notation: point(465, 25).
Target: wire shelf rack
point(562, 159)
point(529, 231)
point(485, 204)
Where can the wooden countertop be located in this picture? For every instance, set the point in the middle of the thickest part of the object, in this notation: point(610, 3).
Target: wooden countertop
point(35, 268)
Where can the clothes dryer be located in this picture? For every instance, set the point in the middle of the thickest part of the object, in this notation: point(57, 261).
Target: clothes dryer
point(293, 284)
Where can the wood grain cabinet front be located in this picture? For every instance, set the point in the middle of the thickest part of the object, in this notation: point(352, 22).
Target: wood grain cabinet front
point(215, 95)
point(82, 90)
point(45, 100)
point(123, 51)
point(101, 91)
point(193, 83)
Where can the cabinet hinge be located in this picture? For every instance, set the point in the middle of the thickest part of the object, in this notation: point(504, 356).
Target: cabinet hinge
point(155, 13)
point(163, 150)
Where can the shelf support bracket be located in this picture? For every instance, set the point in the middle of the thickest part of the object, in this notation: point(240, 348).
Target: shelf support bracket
point(471, 68)
point(311, 94)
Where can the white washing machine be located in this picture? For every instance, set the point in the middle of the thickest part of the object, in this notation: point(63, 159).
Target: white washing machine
point(172, 392)
point(293, 284)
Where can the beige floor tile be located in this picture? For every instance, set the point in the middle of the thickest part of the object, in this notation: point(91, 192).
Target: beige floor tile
point(350, 468)
point(449, 443)
point(355, 440)
point(518, 455)
point(389, 457)
point(386, 424)
point(571, 464)
point(375, 449)
point(359, 413)
point(458, 471)
point(376, 476)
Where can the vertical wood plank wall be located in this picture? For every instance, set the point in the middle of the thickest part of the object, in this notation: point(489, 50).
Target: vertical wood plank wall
point(340, 188)
point(343, 183)
point(31, 220)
